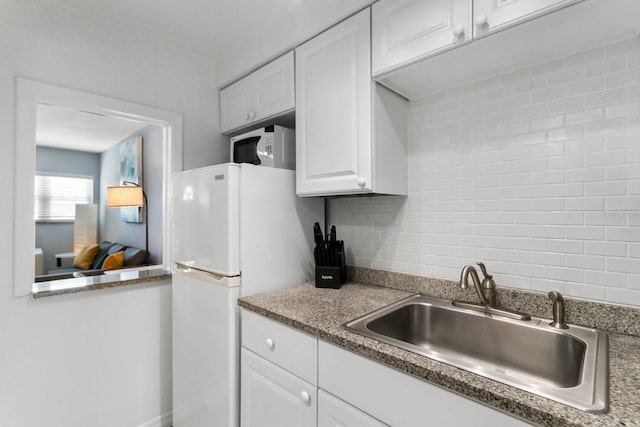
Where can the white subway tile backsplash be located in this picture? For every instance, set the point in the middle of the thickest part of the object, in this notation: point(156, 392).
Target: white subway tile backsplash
point(607, 188)
point(605, 248)
point(584, 116)
point(585, 204)
point(623, 78)
point(622, 172)
point(607, 66)
point(565, 162)
point(548, 231)
point(603, 278)
point(622, 110)
point(565, 218)
point(586, 262)
point(604, 218)
point(585, 233)
point(623, 265)
point(587, 145)
point(566, 105)
point(626, 203)
point(566, 246)
point(622, 296)
point(605, 159)
point(580, 290)
point(566, 274)
point(536, 171)
point(547, 123)
point(584, 58)
point(547, 177)
point(564, 77)
point(608, 97)
point(623, 234)
point(622, 48)
point(585, 174)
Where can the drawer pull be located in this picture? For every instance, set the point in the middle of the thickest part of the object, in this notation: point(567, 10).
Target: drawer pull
point(481, 21)
point(305, 397)
point(270, 344)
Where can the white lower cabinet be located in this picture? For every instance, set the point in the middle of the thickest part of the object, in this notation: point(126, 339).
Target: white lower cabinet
point(340, 389)
point(398, 399)
point(273, 397)
point(333, 412)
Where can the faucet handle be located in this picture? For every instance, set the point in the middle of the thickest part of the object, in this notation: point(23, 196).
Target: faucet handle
point(484, 270)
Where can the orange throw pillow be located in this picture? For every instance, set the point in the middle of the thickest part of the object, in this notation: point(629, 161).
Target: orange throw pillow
point(113, 261)
point(86, 256)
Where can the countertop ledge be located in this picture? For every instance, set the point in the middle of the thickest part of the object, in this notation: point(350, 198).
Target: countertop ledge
point(322, 312)
point(104, 281)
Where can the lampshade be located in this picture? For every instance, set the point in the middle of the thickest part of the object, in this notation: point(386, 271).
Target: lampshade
point(120, 197)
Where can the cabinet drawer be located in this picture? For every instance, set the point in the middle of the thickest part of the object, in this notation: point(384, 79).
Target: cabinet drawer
point(288, 348)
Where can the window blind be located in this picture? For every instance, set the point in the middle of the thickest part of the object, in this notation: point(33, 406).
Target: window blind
point(56, 196)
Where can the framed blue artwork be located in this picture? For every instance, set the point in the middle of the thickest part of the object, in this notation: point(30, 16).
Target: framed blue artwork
point(131, 170)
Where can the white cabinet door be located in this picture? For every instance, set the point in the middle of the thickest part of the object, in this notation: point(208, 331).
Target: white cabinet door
point(235, 104)
point(494, 15)
point(333, 110)
point(265, 93)
point(333, 412)
point(370, 386)
point(273, 397)
point(405, 31)
point(273, 89)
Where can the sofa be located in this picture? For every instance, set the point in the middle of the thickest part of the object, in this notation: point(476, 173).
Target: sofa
point(133, 257)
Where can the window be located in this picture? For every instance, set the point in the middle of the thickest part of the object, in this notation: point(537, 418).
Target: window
point(56, 196)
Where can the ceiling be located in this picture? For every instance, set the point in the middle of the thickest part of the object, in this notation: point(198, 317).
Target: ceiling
point(76, 130)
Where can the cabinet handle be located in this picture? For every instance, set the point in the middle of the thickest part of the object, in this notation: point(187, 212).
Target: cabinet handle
point(458, 31)
point(270, 344)
point(246, 117)
point(361, 182)
point(481, 20)
point(305, 397)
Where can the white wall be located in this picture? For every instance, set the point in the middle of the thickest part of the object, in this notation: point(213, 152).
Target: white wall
point(536, 172)
point(100, 358)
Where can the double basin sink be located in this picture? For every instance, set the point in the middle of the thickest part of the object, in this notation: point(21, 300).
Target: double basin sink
point(569, 366)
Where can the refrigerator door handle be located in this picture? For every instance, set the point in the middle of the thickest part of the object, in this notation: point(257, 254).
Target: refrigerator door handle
point(226, 281)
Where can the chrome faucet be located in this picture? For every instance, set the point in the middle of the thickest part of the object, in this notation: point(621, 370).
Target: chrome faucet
point(486, 290)
point(558, 310)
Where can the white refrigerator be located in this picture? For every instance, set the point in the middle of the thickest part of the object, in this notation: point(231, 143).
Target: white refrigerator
point(238, 229)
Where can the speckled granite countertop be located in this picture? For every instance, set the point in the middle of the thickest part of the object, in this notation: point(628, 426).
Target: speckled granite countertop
point(102, 281)
point(321, 312)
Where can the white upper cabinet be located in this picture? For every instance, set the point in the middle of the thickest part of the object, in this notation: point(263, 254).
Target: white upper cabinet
point(534, 30)
point(494, 15)
point(265, 93)
point(405, 31)
point(339, 151)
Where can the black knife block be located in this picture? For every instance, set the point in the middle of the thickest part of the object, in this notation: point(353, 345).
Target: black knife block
point(331, 268)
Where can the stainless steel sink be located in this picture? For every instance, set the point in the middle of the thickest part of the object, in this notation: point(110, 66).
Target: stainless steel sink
point(569, 366)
